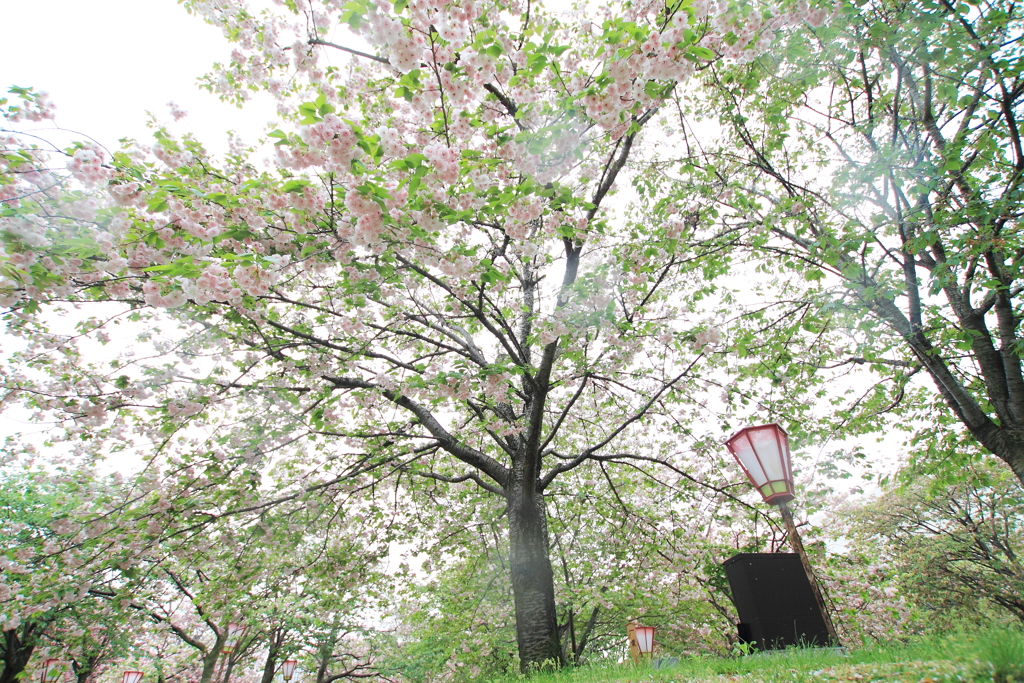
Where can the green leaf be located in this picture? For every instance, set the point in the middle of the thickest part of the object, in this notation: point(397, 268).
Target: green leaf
point(310, 112)
point(701, 52)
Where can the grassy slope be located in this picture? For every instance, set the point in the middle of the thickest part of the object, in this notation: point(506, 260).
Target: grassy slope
point(996, 656)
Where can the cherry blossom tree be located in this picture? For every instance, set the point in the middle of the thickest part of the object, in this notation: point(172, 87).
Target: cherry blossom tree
point(45, 597)
point(95, 566)
point(427, 281)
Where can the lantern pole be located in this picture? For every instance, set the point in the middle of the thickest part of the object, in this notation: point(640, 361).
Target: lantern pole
point(798, 548)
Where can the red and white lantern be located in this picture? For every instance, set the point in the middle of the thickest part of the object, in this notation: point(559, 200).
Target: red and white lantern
point(645, 639)
point(763, 453)
point(288, 669)
point(235, 633)
point(52, 671)
point(131, 677)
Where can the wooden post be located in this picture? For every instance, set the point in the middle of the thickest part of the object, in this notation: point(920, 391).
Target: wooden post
point(798, 548)
point(634, 647)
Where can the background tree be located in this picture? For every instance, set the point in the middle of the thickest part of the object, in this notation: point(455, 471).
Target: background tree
point(954, 549)
point(880, 161)
point(44, 591)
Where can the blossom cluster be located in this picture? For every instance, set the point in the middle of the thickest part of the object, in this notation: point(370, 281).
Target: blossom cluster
point(177, 113)
point(445, 161)
point(329, 142)
point(369, 218)
point(35, 107)
point(87, 165)
point(709, 336)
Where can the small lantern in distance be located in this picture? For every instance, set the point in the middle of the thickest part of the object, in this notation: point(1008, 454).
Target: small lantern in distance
point(763, 453)
point(131, 677)
point(234, 632)
point(645, 639)
point(51, 671)
point(288, 669)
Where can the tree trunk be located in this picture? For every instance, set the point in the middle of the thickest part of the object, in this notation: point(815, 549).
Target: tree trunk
point(273, 648)
point(228, 668)
point(324, 662)
point(533, 585)
point(210, 663)
point(17, 652)
point(83, 670)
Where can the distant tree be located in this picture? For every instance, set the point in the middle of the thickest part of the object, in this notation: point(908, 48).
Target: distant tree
point(953, 549)
point(39, 584)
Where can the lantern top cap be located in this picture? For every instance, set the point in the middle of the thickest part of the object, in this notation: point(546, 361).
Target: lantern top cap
point(754, 428)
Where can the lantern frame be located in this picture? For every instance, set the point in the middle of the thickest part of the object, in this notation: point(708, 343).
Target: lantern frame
point(131, 677)
point(288, 668)
point(645, 639)
point(51, 671)
point(763, 454)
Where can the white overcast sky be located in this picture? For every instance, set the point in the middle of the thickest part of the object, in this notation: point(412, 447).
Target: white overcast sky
point(106, 63)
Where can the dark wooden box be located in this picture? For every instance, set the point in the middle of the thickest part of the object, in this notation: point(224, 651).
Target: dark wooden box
point(775, 602)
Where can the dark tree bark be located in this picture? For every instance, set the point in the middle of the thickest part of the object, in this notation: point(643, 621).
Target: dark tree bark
point(84, 668)
point(533, 585)
point(274, 644)
point(18, 646)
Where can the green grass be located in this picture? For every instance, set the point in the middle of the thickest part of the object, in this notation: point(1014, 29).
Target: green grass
point(995, 656)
